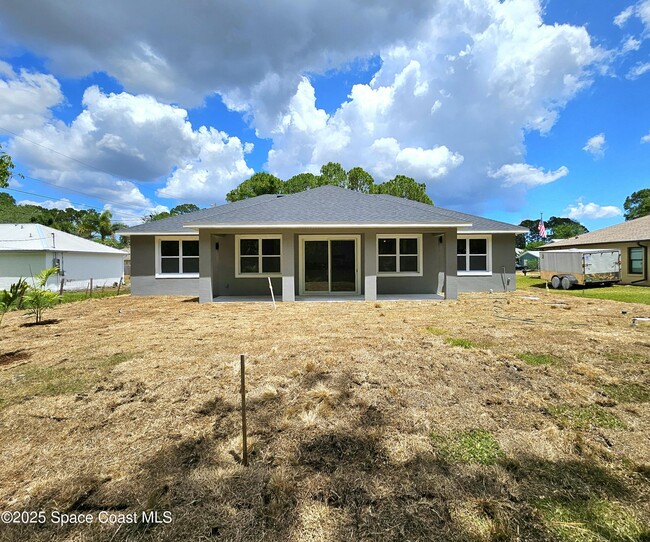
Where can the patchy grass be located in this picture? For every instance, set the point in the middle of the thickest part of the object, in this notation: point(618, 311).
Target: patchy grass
point(130, 404)
point(51, 381)
point(436, 330)
point(585, 417)
point(98, 293)
point(462, 343)
point(538, 359)
point(628, 357)
point(625, 294)
point(597, 520)
point(473, 446)
point(60, 379)
point(628, 392)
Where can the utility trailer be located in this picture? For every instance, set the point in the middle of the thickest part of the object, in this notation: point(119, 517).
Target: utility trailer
point(566, 268)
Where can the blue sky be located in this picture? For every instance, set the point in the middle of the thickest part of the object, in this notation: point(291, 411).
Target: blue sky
point(505, 109)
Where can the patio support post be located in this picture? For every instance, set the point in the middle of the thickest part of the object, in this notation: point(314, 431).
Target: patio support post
point(205, 267)
point(370, 265)
point(288, 267)
point(451, 265)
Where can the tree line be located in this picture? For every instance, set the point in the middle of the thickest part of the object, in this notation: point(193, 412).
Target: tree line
point(334, 174)
point(89, 224)
point(92, 224)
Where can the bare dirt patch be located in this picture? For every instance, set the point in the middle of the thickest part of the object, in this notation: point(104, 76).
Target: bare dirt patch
point(367, 421)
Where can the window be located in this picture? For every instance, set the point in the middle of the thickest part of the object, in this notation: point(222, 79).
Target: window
point(473, 255)
point(177, 257)
point(258, 255)
point(399, 255)
point(635, 260)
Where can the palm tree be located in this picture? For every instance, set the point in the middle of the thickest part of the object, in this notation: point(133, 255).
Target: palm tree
point(105, 226)
point(88, 225)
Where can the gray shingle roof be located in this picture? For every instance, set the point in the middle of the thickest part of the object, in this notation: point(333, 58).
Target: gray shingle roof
point(325, 205)
point(626, 232)
point(479, 224)
point(174, 224)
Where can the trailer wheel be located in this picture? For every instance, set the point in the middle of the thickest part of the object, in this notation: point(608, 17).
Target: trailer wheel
point(555, 282)
point(566, 283)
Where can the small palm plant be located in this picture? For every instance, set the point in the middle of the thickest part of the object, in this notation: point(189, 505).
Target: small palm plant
point(38, 298)
point(13, 296)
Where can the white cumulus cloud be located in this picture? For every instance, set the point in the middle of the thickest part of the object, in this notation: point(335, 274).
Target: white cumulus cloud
point(646, 138)
point(120, 140)
point(460, 84)
point(591, 210)
point(61, 204)
point(216, 169)
point(527, 175)
point(461, 114)
point(26, 98)
point(596, 145)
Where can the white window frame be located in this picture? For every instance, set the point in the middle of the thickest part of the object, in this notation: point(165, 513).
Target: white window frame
point(487, 272)
point(180, 239)
point(629, 261)
point(238, 273)
point(397, 237)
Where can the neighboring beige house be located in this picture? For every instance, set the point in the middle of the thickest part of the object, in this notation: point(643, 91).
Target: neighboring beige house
point(632, 238)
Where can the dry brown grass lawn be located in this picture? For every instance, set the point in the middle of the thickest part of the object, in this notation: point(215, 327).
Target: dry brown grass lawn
point(496, 417)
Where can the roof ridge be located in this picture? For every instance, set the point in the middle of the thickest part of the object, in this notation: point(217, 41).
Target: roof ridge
point(278, 196)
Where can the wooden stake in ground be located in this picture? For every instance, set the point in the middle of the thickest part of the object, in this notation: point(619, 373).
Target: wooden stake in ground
point(272, 294)
point(119, 285)
point(242, 359)
point(61, 287)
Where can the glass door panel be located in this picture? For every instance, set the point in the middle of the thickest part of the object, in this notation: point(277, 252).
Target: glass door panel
point(316, 266)
point(342, 263)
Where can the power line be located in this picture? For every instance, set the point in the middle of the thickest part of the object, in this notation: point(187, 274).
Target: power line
point(57, 152)
point(122, 205)
point(72, 202)
point(127, 205)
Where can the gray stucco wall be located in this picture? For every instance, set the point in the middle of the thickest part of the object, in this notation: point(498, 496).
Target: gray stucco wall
point(436, 258)
point(224, 281)
point(432, 263)
point(143, 272)
point(503, 268)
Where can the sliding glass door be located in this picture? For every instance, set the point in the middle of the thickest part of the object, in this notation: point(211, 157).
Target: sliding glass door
point(329, 265)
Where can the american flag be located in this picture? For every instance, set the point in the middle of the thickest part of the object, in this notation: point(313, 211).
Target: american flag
point(541, 229)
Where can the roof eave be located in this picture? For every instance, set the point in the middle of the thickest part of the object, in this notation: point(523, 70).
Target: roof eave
point(328, 225)
point(484, 232)
point(156, 232)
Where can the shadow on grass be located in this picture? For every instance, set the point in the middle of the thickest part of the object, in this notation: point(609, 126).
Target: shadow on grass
point(49, 322)
point(346, 485)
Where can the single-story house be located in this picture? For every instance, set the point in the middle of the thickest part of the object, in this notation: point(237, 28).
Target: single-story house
point(26, 249)
point(632, 238)
point(327, 241)
point(529, 259)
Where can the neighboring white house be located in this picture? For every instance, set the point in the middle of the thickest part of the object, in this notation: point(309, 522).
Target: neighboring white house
point(26, 249)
